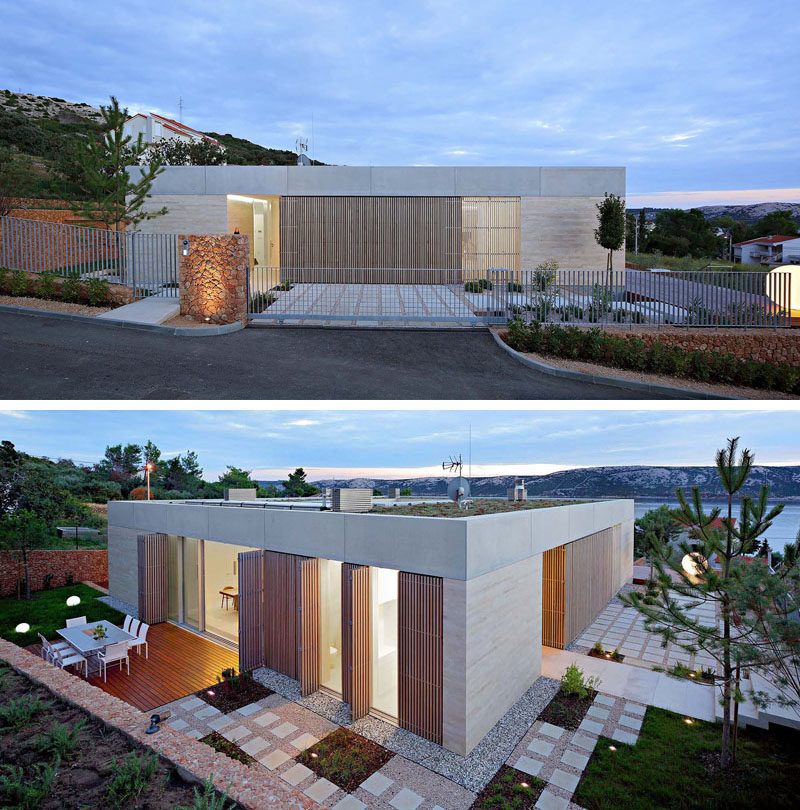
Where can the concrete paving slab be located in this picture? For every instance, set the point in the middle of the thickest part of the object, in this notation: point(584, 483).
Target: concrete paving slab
point(152, 310)
point(377, 783)
point(529, 765)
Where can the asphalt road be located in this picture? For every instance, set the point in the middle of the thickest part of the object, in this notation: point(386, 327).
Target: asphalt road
point(49, 358)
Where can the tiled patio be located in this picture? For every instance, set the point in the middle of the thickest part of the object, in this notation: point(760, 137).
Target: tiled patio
point(622, 628)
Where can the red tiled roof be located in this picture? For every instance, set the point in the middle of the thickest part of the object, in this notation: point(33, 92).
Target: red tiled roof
point(176, 126)
point(715, 524)
point(764, 240)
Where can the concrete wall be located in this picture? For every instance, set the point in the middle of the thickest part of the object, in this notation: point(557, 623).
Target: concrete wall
point(492, 648)
point(562, 228)
point(187, 213)
point(454, 548)
point(123, 576)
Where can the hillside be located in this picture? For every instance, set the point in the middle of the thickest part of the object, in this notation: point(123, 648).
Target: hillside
point(748, 214)
point(39, 136)
point(593, 482)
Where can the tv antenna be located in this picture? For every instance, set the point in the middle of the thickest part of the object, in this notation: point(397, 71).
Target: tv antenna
point(458, 490)
point(180, 109)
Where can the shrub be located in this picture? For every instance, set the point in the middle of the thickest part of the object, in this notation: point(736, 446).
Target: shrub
point(515, 286)
point(71, 290)
point(598, 647)
point(573, 682)
point(130, 778)
point(4, 273)
point(19, 283)
point(60, 740)
point(26, 792)
point(97, 291)
point(46, 286)
point(209, 799)
point(478, 286)
point(260, 301)
point(17, 713)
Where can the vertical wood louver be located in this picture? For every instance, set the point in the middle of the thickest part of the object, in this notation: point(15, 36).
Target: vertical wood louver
point(370, 232)
point(553, 597)
point(251, 603)
point(151, 552)
point(280, 612)
point(308, 608)
point(420, 644)
point(356, 639)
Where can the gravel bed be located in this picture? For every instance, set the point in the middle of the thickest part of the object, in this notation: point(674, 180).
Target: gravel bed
point(739, 392)
point(471, 772)
point(52, 306)
point(124, 607)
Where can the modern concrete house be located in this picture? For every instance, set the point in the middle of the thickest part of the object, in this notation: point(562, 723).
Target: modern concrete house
point(435, 624)
point(451, 218)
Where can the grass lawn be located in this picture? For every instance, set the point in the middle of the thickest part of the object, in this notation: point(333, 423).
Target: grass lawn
point(480, 506)
point(666, 769)
point(47, 612)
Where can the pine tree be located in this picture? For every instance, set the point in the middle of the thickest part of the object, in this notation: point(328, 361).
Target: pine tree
point(112, 197)
point(712, 574)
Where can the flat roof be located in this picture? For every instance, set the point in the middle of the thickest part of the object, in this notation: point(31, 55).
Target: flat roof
point(414, 181)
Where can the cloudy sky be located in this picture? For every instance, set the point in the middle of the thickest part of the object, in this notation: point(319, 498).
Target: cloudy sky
point(409, 443)
point(690, 96)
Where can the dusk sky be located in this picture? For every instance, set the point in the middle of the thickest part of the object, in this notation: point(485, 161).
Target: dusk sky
point(690, 96)
point(390, 443)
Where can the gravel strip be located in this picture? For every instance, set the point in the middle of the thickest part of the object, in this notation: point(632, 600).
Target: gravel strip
point(124, 607)
point(659, 379)
point(52, 306)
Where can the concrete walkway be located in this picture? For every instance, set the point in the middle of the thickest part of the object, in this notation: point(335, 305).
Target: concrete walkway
point(637, 684)
point(151, 310)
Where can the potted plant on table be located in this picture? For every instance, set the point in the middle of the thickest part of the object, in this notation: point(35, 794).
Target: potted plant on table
point(99, 633)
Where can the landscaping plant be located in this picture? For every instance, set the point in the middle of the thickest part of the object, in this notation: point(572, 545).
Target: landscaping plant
point(97, 292)
point(510, 789)
point(25, 792)
point(19, 283)
point(573, 682)
point(209, 799)
point(61, 740)
point(18, 712)
point(46, 286)
point(715, 574)
point(71, 290)
point(130, 777)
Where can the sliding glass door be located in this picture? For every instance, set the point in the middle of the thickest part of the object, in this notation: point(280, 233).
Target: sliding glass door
point(330, 630)
point(383, 595)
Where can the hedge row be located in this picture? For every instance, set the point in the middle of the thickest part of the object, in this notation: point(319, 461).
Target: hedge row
point(94, 291)
point(633, 353)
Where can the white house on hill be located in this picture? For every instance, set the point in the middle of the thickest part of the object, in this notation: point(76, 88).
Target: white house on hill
point(155, 127)
point(768, 250)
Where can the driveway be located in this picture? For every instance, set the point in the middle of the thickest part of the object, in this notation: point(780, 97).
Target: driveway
point(51, 358)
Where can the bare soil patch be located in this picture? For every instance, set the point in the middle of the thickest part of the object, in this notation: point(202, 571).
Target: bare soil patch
point(233, 693)
point(567, 711)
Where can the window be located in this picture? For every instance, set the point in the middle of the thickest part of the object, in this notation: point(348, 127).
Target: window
point(330, 630)
point(383, 594)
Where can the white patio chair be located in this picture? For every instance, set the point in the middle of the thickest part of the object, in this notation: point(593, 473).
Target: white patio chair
point(141, 638)
point(112, 654)
point(68, 658)
point(133, 628)
point(126, 625)
point(49, 646)
point(76, 622)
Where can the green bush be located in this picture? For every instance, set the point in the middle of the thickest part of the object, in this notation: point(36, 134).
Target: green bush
point(17, 713)
point(61, 740)
point(515, 286)
point(130, 778)
point(46, 286)
point(209, 799)
point(26, 792)
point(573, 682)
point(4, 274)
point(478, 286)
point(71, 290)
point(633, 353)
point(19, 283)
point(97, 291)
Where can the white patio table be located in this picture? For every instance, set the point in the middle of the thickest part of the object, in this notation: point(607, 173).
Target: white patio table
point(83, 640)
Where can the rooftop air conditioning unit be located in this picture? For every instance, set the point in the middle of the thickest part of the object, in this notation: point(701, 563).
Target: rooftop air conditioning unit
point(240, 494)
point(351, 500)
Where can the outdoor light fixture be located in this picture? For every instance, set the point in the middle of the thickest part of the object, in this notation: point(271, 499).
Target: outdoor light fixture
point(22, 627)
point(524, 784)
point(155, 720)
point(691, 674)
point(612, 747)
point(210, 692)
point(313, 755)
point(688, 721)
point(73, 601)
point(693, 565)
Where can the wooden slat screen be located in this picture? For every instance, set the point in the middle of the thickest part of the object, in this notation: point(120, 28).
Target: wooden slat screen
point(151, 552)
point(370, 232)
point(280, 612)
point(308, 624)
point(588, 580)
point(553, 597)
point(490, 233)
point(419, 626)
point(251, 609)
point(356, 639)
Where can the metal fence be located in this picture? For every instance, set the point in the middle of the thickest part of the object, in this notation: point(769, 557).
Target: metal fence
point(146, 262)
point(581, 297)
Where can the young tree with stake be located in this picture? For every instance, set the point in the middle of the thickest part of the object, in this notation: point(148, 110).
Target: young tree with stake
point(610, 230)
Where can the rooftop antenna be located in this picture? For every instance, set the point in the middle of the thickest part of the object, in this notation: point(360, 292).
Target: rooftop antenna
point(470, 449)
point(180, 109)
point(458, 489)
point(312, 138)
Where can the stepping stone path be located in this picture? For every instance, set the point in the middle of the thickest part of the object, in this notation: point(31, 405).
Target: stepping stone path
point(559, 756)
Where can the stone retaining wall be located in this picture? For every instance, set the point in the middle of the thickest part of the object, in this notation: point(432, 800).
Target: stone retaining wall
point(763, 345)
point(213, 277)
point(254, 787)
point(82, 563)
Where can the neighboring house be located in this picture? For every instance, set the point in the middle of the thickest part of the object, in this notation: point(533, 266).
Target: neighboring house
point(433, 623)
point(154, 127)
point(768, 250)
point(429, 217)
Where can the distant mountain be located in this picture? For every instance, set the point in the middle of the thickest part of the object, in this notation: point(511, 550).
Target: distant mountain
point(748, 214)
point(594, 482)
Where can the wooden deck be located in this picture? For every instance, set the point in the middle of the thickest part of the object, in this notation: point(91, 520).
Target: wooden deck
point(180, 663)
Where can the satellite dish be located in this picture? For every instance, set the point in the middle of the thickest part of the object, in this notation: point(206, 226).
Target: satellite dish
point(458, 489)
